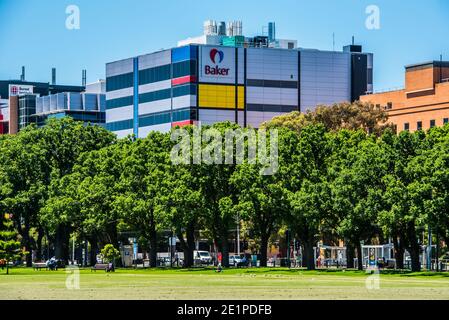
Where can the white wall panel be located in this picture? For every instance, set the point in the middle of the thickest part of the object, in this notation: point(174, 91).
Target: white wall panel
point(154, 106)
point(123, 133)
point(325, 78)
point(154, 59)
point(256, 118)
point(119, 67)
point(144, 131)
point(184, 102)
point(213, 116)
point(119, 114)
point(119, 93)
point(155, 86)
point(274, 96)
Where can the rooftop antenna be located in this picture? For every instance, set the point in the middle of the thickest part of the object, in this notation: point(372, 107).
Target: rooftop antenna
point(84, 77)
point(53, 76)
point(441, 68)
point(333, 41)
point(22, 76)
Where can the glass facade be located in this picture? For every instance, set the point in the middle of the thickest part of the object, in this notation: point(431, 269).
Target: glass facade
point(119, 102)
point(155, 74)
point(118, 82)
point(27, 107)
point(184, 68)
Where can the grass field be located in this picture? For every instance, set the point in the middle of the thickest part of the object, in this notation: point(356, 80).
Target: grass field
point(243, 284)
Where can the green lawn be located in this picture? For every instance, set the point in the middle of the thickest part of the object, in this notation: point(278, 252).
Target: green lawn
point(232, 284)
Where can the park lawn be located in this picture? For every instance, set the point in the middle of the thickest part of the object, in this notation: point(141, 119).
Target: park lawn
point(205, 284)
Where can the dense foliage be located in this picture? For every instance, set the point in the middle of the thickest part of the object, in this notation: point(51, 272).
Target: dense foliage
point(338, 179)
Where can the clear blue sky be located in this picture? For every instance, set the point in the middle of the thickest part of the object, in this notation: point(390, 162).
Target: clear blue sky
point(33, 33)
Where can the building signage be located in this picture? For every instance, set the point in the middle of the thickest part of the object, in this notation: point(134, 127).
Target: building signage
point(217, 65)
point(17, 90)
point(216, 57)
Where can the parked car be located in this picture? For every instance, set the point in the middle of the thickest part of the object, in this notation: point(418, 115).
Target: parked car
point(202, 257)
point(234, 260)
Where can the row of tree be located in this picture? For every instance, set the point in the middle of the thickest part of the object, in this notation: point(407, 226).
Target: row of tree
point(347, 177)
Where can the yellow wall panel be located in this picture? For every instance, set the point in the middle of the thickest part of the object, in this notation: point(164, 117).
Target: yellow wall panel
point(213, 96)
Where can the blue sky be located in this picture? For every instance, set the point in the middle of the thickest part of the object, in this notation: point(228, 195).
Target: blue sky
point(33, 33)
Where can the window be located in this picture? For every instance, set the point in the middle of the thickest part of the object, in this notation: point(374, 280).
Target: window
point(389, 105)
point(120, 125)
point(432, 123)
point(446, 120)
point(119, 82)
point(119, 102)
point(184, 68)
point(419, 125)
point(155, 74)
point(155, 96)
point(184, 90)
point(407, 126)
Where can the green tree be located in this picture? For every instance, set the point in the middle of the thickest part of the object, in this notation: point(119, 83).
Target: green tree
point(63, 142)
point(307, 174)
point(357, 194)
point(350, 116)
point(10, 247)
point(110, 253)
point(404, 195)
point(142, 186)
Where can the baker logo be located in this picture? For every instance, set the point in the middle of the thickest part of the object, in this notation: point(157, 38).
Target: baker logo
point(216, 56)
point(213, 55)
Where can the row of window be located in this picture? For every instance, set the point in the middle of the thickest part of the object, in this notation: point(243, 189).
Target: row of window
point(151, 75)
point(120, 81)
point(154, 119)
point(166, 93)
point(120, 125)
point(178, 91)
point(419, 124)
point(165, 117)
point(272, 84)
point(119, 102)
point(156, 74)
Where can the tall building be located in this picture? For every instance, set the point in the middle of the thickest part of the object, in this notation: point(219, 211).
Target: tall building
point(423, 102)
point(212, 83)
point(14, 114)
point(23, 103)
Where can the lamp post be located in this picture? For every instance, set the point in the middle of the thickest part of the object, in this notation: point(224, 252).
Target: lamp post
point(238, 235)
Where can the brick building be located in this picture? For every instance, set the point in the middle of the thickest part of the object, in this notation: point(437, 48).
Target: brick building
point(423, 103)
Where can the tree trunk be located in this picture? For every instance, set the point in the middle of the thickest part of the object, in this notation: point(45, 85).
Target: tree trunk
point(26, 241)
point(40, 236)
point(350, 255)
point(309, 255)
point(62, 244)
point(188, 245)
point(93, 250)
point(414, 248)
point(225, 251)
point(153, 247)
point(399, 252)
point(263, 249)
point(359, 257)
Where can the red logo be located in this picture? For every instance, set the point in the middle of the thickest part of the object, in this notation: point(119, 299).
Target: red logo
point(14, 90)
point(213, 55)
